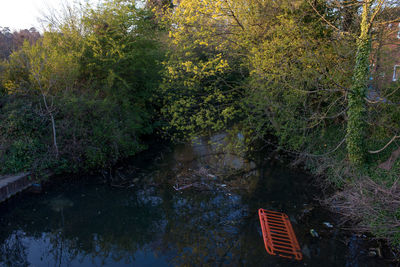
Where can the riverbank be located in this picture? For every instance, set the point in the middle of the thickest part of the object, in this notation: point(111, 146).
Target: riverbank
point(367, 200)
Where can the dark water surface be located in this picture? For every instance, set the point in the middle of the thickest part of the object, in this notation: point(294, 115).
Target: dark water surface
point(87, 223)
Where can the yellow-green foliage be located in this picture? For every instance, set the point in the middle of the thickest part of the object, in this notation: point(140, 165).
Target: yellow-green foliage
point(270, 64)
point(202, 82)
point(47, 66)
point(97, 75)
point(294, 73)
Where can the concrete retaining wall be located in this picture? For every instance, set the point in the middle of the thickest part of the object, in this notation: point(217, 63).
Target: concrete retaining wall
point(11, 185)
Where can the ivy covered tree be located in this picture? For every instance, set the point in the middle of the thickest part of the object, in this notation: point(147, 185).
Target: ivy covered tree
point(356, 126)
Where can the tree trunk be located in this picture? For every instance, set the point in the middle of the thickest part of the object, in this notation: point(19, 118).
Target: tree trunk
point(356, 125)
point(53, 124)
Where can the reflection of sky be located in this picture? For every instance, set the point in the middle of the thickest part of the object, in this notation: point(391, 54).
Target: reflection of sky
point(41, 252)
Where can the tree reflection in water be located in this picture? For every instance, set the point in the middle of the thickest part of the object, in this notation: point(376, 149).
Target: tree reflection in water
point(103, 224)
point(83, 224)
point(13, 252)
point(107, 225)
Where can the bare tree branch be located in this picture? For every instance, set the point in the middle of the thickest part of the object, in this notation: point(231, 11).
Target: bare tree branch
point(383, 148)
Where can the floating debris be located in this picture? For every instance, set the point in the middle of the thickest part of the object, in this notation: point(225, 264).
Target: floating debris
point(59, 203)
point(327, 224)
point(212, 176)
point(372, 253)
point(307, 208)
point(177, 188)
point(375, 252)
point(313, 233)
point(36, 188)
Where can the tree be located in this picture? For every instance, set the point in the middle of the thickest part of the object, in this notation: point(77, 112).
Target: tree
point(10, 42)
point(47, 69)
point(356, 129)
point(356, 125)
point(275, 62)
point(205, 70)
point(90, 81)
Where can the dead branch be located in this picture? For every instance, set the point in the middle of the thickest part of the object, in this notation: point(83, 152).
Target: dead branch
point(388, 164)
point(383, 148)
point(364, 202)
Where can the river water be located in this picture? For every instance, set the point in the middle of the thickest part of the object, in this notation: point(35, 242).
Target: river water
point(186, 206)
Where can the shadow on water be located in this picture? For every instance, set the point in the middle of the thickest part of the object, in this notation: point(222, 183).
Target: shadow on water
point(86, 223)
